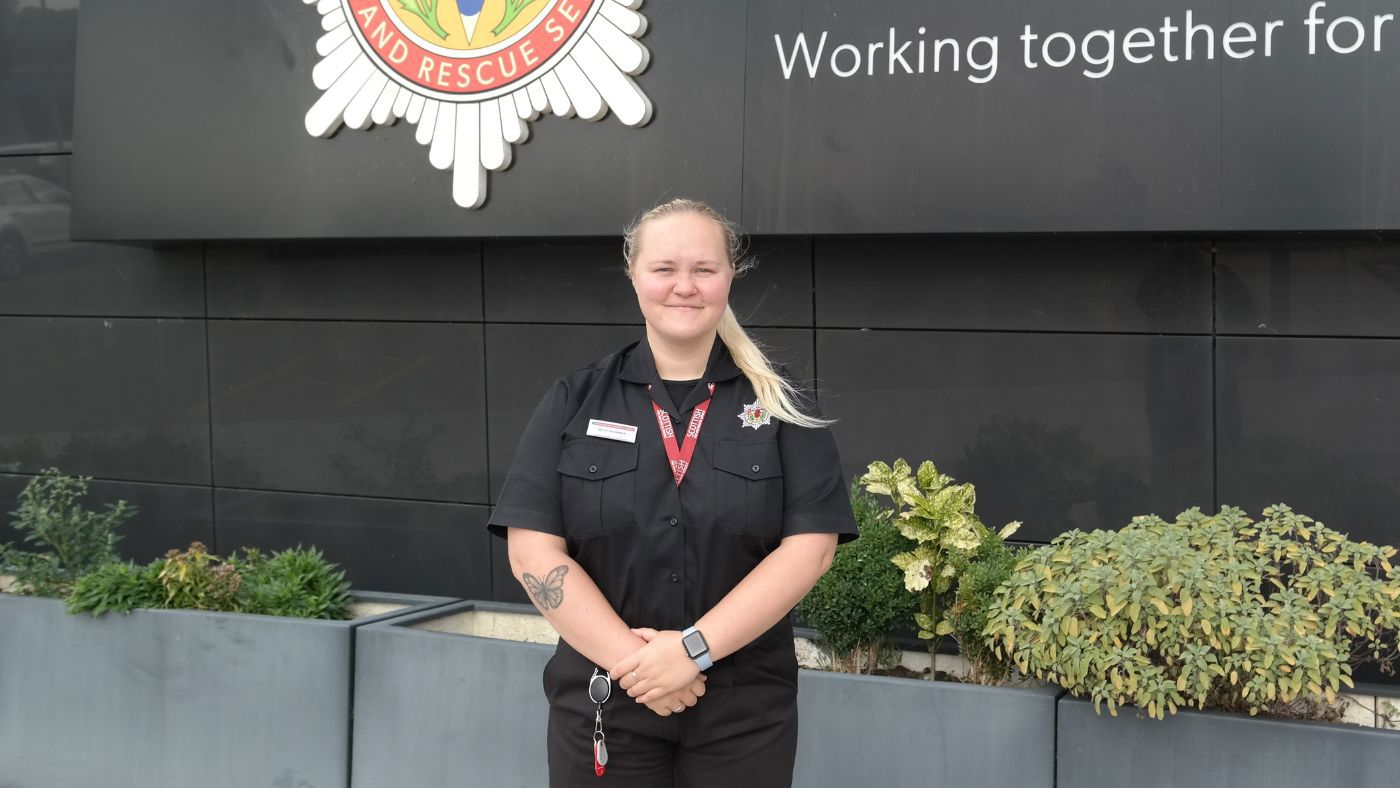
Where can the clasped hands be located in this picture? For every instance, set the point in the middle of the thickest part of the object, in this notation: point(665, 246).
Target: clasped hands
point(660, 674)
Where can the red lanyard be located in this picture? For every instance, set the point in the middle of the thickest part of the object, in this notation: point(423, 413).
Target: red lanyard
point(680, 453)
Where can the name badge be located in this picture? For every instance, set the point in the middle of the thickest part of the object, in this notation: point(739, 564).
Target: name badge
point(612, 431)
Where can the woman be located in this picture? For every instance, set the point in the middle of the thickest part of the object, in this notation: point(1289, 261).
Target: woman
point(667, 508)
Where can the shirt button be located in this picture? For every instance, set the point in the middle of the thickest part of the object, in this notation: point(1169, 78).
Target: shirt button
point(594, 468)
point(675, 578)
point(674, 521)
point(755, 469)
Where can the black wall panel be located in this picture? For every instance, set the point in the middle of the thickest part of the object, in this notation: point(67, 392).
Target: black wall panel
point(1336, 287)
point(43, 272)
point(1024, 284)
point(409, 546)
point(1336, 170)
point(118, 398)
point(1312, 423)
point(1056, 430)
point(347, 280)
point(383, 409)
point(38, 45)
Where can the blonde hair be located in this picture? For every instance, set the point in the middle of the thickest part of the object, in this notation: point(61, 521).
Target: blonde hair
point(775, 392)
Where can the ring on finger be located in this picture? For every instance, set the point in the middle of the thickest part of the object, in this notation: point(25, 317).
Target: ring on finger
point(678, 709)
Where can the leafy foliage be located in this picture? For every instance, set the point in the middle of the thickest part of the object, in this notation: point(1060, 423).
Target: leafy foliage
point(513, 9)
point(979, 575)
point(298, 583)
point(861, 599)
point(1209, 611)
point(72, 540)
point(939, 517)
point(425, 10)
point(118, 586)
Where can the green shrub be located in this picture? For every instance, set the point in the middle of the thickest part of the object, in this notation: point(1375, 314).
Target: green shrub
point(939, 517)
point(1209, 611)
point(71, 539)
point(979, 576)
point(861, 599)
point(117, 586)
point(297, 583)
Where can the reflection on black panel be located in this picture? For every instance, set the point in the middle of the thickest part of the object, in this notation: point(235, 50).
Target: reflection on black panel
point(34, 219)
point(38, 46)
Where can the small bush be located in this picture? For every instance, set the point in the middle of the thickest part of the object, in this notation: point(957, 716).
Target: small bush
point(1209, 611)
point(938, 516)
point(861, 600)
point(297, 583)
point(71, 540)
point(979, 576)
point(117, 587)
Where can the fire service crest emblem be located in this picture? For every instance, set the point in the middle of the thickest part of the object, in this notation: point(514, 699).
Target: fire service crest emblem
point(473, 74)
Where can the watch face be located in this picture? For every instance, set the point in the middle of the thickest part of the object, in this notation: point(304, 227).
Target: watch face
point(694, 644)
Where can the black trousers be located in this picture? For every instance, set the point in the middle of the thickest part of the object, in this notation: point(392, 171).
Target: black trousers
point(742, 733)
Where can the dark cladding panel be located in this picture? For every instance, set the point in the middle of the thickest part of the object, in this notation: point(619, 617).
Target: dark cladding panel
point(1319, 287)
point(884, 150)
point(408, 547)
point(167, 516)
point(116, 398)
point(43, 272)
point(1057, 431)
point(1308, 139)
point(215, 135)
point(558, 281)
point(347, 280)
point(38, 48)
point(1003, 284)
point(584, 281)
point(1312, 423)
point(384, 409)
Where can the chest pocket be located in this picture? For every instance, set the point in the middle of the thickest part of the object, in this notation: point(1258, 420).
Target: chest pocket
point(599, 487)
point(749, 488)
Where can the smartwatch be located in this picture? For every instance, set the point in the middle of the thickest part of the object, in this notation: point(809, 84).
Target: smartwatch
point(696, 648)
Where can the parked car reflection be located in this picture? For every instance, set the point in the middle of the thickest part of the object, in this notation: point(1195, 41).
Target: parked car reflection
point(34, 218)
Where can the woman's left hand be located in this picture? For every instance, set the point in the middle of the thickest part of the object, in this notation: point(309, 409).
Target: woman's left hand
point(661, 667)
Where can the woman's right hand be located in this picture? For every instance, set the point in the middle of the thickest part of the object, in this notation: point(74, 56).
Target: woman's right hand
point(686, 697)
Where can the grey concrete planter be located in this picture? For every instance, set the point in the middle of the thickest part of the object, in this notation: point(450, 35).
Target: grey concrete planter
point(436, 707)
point(1196, 748)
point(446, 708)
point(178, 697)
point(869, 730)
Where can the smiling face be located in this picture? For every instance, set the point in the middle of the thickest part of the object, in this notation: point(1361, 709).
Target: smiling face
point(682, 274)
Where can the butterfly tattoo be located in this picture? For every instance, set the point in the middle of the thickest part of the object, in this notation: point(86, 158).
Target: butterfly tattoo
point(549, 593)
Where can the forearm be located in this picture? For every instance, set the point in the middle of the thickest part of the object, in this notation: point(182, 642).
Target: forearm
point(768, 593)
point(569, 600)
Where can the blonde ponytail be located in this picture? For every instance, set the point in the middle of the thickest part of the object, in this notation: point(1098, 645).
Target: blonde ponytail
point(774, 391)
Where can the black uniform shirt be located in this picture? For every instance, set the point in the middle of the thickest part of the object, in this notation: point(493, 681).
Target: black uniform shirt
point(664, 555)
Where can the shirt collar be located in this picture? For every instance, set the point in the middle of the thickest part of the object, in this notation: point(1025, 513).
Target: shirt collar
point(639, 366)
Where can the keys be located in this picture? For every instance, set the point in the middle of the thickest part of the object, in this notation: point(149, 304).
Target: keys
point(599, 690)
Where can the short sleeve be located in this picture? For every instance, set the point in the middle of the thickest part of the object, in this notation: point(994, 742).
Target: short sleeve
point(816, 497)
point(530, 497)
